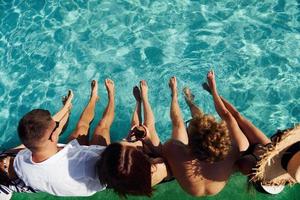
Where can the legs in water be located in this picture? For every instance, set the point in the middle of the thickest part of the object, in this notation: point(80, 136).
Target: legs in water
point(63, 115)
point(189, 99)
point(253, 134)
point(178, 129)
point(239, 138)
point(137, 113)
point(102, 132)
point(149, 120)
point(81, 132)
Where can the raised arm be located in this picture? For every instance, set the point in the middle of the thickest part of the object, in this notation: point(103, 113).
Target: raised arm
point(178, 128)
point(239, 137)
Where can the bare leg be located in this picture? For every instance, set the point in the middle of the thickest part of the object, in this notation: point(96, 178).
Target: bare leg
point(253, 134)
point(81, 132)
point(136, 117)
point(149, 120)
point(233, 127)
point(63, 115)
point(189, 98)
point(67, 105)
point(102, 132)
point(178, 129)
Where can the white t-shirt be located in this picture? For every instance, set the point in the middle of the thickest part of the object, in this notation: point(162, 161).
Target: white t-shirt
point(70, 172)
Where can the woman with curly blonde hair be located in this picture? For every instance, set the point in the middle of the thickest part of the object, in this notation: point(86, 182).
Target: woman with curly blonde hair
point(209, 140)
point(202, 156)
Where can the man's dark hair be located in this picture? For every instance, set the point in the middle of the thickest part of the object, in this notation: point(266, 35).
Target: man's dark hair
point(32, 127)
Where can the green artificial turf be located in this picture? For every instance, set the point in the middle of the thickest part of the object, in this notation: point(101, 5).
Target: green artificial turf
point(236, 188)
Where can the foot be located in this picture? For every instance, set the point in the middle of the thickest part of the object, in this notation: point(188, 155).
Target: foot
point(205, 86)
point(94, 89)
point(67, 100)
point(144, 89)
point(188, 94)
point(211, 80)
point(173, 85)
point(136, 93)
point(110, 87)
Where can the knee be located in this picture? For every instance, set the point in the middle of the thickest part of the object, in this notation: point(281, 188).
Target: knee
point(101, 130)
point(82, 129)
point(83, 125)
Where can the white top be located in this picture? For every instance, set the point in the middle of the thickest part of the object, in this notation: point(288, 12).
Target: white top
point(70, 172)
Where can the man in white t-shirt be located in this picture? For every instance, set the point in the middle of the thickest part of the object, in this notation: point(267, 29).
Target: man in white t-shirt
point(64, 170)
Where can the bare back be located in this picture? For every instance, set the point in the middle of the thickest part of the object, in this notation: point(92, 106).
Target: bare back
point(196, 177)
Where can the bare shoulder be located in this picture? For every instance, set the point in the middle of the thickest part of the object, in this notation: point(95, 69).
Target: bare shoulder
point(195, 177)
point(175, 149)
point(184, 167)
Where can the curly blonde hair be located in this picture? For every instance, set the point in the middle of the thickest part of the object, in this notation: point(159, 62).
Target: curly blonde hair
point(208, 139)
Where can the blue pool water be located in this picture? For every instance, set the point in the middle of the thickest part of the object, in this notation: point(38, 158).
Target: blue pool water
point(47, 47)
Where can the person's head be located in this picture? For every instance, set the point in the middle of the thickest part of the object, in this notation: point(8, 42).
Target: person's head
point(37, 127)
point(209, 140)
point(126, 169)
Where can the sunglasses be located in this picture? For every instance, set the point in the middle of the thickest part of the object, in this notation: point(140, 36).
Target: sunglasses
point(56, 126)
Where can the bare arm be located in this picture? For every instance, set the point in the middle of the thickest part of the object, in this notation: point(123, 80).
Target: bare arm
point(237, 134)
point(178, 128)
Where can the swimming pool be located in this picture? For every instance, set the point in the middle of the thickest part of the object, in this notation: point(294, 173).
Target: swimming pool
point(48, 47)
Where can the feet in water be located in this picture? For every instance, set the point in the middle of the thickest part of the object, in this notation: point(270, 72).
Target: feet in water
point(173, 85)
point(205, 86)
point(110, 87)
point(136, 93)
point(211, 80)
point(189, 97)
point(67, 100)
point(94, 90)
point(144, 90)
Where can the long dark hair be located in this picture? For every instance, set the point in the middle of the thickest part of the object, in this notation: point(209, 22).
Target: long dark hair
point(125, 169)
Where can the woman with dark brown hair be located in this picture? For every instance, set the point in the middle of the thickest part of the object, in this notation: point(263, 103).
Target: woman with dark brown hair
point(134, 165)
point(202, 156)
